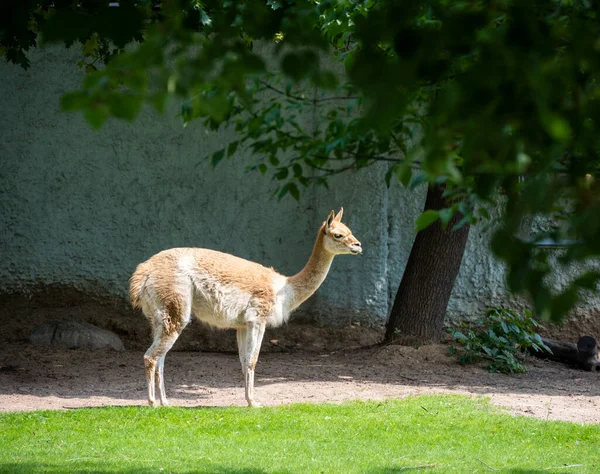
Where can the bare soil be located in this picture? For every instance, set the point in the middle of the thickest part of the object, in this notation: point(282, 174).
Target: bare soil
point(298, 363)
point(45, 377)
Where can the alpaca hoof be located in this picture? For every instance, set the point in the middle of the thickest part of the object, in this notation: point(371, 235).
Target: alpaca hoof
point(151, 403)
point(254, 404)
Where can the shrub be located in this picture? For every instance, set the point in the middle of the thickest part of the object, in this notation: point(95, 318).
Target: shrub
point(500, 338)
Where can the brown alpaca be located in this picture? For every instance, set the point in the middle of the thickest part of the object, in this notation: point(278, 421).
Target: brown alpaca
point(226, 292)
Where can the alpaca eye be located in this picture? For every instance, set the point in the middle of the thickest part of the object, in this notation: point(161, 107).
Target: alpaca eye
point(337, 236)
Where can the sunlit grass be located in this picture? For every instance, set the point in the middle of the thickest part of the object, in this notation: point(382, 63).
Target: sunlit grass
point(419, 434)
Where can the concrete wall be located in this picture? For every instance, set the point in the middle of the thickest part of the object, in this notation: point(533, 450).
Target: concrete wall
point(82, 208)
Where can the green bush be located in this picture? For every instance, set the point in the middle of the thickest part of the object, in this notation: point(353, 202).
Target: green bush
point(500, 339)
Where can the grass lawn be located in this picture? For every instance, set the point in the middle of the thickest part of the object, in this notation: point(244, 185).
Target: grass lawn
point(431, 434)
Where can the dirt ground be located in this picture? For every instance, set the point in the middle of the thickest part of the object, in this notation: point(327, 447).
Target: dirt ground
point(37, 377)
point(297, 364)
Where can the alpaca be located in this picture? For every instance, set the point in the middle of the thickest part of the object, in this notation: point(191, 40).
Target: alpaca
point(227, 292)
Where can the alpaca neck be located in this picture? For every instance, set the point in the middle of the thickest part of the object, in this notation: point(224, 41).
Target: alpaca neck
point(308, 280)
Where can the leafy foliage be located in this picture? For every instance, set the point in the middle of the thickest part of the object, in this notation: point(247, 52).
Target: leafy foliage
point(490, 98)
point(500, 338)
point(101, 29)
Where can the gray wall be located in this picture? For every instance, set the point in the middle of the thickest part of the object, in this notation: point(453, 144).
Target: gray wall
point(82, 208)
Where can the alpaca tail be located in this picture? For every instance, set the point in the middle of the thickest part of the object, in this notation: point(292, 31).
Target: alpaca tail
point(137, 282)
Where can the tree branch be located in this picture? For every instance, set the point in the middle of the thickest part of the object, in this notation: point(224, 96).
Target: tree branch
point(314, 100)
point(375, 157)
point(330, 171)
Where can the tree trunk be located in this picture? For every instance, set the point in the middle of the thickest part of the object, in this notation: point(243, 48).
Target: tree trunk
point(584, 354)
point(419, 308)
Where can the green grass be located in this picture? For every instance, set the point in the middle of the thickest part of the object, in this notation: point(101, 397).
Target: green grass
point(432, 434)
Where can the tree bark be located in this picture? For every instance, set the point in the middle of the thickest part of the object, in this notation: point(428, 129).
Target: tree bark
point(419, 308)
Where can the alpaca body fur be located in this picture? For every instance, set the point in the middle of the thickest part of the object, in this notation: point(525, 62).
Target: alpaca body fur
point(225, 291)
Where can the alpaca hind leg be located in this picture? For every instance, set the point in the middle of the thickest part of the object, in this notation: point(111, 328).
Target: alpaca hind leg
point(160, 380)
point(154, 359)
point(150, 364)
point(252, 342)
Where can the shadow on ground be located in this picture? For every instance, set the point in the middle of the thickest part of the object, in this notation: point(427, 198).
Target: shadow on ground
point(215, 378)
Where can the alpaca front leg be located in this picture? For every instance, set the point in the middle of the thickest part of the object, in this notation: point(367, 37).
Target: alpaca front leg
point(253, 340)
point(241, 343)
point(241, 334)
point(150, 364)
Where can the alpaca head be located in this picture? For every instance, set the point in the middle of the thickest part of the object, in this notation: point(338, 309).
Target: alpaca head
point(338, 237)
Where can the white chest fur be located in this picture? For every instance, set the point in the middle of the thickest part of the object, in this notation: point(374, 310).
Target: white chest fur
point(284, 296)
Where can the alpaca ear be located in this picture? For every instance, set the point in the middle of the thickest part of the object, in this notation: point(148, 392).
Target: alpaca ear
point(330, 220)
point(339, 215)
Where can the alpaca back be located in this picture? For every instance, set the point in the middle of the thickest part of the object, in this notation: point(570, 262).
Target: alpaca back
point(220, 289)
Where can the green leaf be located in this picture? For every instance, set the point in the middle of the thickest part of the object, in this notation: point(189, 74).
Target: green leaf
point(563, 303)
point(275, 5)
point(136, 80)
point(557, 127)
point(205, 18)
point(350, 61)
point(295, 193)
point(217, 156)
point(231, 149)
point(281, 174)
point(426, 219)
point(419, 179)
point(404, 173)
point(325, 79)
point(461, 223)
point(297, 170)
point(290, 188)
point(483, 213)
point(159, 101)
point(124, 106)
point(588, 280)
point(523, 161)
point(96, 115)
point(72, 101)
point(388, 175)
point(299, 64)
point(99, 80)
point(90, 46)
point(445, 215)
